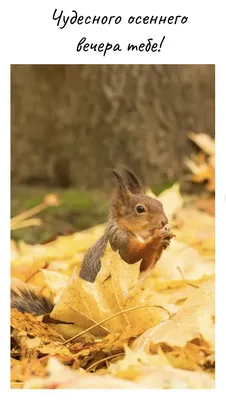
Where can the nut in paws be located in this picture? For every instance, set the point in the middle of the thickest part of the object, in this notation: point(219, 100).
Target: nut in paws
point(167, 235)
point(164, 236)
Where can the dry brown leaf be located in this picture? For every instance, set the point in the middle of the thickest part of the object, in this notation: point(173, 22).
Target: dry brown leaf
point(207, 205)
point(203, 168)
point(55, 282)
point(21, 370)
point(129, 366)
point(156, 376)
point(33, 326)
point(62, 377)
point(154, 371)
point(171, 199)
point(167, 377)
point(196, 228)
point(205, 142)
point(25, 267)
point(68, 331)
point(187, 259)
point(119, 287)
point(190, 357)
point(64, 248)
point(88, 303)
point(14, 250)
point(194, 319)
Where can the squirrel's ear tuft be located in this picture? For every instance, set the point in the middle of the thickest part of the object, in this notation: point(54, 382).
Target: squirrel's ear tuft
point(132, 182)
point(122, 189)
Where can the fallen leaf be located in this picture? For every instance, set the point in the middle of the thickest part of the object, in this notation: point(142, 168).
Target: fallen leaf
point(154, 372)
point(205, 142)
point(61, 377)
point(207, 205)
point(31, 325)
point(171, 200)
point(194, 319)
point(203, 168)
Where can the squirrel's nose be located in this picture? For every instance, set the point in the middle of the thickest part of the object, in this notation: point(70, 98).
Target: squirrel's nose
point(164, 221)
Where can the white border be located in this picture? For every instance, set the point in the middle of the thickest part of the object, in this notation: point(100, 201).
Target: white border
point(28, 35)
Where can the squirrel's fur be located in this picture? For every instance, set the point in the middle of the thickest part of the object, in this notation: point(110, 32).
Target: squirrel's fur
point(135, 236)
point(27, 300)
point(92, 260)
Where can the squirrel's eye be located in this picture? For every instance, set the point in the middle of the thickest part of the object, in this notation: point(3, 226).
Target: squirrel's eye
point(140, 209)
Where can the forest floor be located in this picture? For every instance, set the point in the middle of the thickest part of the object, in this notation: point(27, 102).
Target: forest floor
point(128, 329)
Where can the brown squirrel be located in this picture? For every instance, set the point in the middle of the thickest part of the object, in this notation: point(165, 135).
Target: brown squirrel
point(136, 229)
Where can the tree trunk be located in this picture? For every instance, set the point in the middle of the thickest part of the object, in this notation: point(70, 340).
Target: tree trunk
point(70, 123)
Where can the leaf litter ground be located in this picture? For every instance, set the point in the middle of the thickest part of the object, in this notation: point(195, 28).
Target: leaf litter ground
point(126, 330)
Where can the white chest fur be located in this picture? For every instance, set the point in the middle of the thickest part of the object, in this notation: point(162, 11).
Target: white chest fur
point(141, 240)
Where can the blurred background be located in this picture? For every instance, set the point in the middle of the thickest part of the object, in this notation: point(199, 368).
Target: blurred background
point(71, 123)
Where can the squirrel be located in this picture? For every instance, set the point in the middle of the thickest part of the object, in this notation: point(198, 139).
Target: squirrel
point(26, 299)
point(136, 229)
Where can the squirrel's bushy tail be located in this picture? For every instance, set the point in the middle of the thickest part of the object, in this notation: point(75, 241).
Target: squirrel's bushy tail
point(27, 300)
point(92, 261)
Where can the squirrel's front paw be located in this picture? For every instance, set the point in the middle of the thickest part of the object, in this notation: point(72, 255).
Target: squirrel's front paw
point(164, 236)
point(167, 235)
